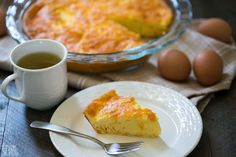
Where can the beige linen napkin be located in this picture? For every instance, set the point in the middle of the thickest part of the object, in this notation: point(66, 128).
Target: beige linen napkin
point(191, 42)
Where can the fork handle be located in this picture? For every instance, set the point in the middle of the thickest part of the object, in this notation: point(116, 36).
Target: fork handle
point(62, 130)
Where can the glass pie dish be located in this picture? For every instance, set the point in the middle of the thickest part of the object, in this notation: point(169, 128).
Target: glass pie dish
point(107, 62)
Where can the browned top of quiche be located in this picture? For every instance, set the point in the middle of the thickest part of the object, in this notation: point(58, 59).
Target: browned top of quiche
point(97, 26)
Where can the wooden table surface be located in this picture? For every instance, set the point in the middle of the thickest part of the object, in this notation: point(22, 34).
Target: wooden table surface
point(219, 118)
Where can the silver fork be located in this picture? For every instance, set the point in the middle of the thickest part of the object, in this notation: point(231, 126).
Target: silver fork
point(110, 148)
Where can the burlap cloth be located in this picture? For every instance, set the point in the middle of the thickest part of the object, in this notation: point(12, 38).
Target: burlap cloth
point(191, 42)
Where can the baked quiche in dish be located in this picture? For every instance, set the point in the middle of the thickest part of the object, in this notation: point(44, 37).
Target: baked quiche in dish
point(121, 115)
point(98, 26)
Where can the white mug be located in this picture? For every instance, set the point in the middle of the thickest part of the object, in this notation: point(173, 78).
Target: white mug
point(39, 89)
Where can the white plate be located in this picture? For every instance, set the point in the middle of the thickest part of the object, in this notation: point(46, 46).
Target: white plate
point(180, 121)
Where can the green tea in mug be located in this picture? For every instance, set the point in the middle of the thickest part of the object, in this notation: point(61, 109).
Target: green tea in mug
point(38, 60)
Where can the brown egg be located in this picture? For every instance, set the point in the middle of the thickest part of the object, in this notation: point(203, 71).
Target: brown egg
point(174, 65)
point(216, 28)
point(208, 67)
point(2, 22)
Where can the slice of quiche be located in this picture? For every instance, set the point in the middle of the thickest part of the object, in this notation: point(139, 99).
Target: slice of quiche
point(121, 115)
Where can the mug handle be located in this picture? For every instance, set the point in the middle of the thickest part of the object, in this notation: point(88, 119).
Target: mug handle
point(4, 88)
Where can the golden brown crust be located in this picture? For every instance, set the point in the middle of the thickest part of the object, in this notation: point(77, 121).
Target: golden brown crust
point(100, 38)
point(114, 106)
point(96, 105)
